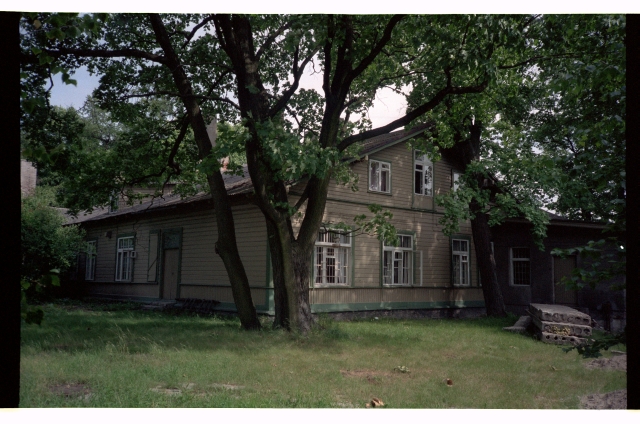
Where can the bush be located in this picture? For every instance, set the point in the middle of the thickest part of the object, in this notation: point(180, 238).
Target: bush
point(48, 248)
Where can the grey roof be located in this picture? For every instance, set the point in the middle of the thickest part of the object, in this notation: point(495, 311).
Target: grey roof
point(387, 140)
point(235, 184)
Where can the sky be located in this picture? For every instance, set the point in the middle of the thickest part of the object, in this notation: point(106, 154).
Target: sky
point(388, 105)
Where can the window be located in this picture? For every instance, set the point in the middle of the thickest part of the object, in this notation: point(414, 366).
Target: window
point(423, 174)
point(379, 176)
point(90, 261)
point(454, 180)
point(520, 270)
point(397, 261)
point(124, 258)
point(460, 260)
point(333, 249)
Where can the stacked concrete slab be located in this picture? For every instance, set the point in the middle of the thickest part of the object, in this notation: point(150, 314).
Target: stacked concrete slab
point(560, 324)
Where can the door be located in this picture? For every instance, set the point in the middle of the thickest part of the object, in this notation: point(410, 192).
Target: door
point(170, 273)
point(562, 268)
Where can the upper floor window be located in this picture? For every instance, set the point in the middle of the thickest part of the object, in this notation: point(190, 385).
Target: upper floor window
point(124, 258)
point(379, 176)
point(520, 270)
point(454, 180)
point(460, 262)
point(423, 174)
point(90, 262)
point(333, 249)
point(397, 262)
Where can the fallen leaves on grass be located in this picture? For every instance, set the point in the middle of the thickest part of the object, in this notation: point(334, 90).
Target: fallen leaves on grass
point(375, 403)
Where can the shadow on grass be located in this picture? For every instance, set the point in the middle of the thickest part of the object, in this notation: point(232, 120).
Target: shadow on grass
point(86, 327)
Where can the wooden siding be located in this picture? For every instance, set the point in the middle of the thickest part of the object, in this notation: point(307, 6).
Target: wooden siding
point(204, 276)
point(402, 184)
point(429, 239)
point(395, 295)
point(411, 213)
point(200, 265)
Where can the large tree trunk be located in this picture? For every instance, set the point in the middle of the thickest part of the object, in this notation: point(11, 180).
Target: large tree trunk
point(226, 244)
point(493, 300)
point(281, 305)
point(461, 155)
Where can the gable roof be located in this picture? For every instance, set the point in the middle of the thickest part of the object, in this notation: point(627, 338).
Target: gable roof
point(384, 141)
point(235, 184)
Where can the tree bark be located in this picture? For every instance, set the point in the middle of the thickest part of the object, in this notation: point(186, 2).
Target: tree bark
point(461, 155)
point(491, 292)
point(226, 244)
point(281, 305)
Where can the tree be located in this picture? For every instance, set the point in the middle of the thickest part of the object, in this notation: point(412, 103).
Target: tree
point(48, 248)
point(247, 69)
point(549, 135)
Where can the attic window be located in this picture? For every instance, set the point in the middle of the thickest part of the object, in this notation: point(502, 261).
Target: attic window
point(379, 176)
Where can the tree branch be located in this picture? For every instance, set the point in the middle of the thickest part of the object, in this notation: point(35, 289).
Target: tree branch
point(419, 111)
point(169, 93)
point(139, 54)
point(386, 37)
point(271, 38)
point(298, 71)
point(195, 29)
point(538, 58)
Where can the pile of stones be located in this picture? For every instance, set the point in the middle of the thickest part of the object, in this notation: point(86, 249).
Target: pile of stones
point(560, 324)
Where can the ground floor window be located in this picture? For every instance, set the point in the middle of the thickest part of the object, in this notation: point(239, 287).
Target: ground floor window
point(460, 262)
point(332, 264)
point(124, 258)
point(520, 270)
point(90, 261)
point(397, 262)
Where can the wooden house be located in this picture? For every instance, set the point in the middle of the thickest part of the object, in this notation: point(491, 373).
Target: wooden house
point(164, 249)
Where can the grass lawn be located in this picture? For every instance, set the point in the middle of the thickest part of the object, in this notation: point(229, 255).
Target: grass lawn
point(93, 355)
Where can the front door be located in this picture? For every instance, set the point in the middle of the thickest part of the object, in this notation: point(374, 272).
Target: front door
point(562, 268)
point(170, 273)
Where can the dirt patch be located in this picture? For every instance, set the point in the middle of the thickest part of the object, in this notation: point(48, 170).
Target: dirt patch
point(189, 387)
point(71, 390)
point(618, 363)
point(226, 386)
point(613, 400)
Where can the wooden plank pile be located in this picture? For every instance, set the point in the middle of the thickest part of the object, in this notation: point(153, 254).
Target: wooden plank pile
point(560, 324)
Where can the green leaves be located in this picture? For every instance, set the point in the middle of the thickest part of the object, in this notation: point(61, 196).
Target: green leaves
point(379, 225)
point(601, 260)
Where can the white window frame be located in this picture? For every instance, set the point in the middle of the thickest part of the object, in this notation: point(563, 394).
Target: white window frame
point(512, 260)
point(90, 261)
point(454, 180)
point(124, 259)
point(397, 262)
point(334, 246)
point(377, 176)
point(423, 173)
point(461, 276)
